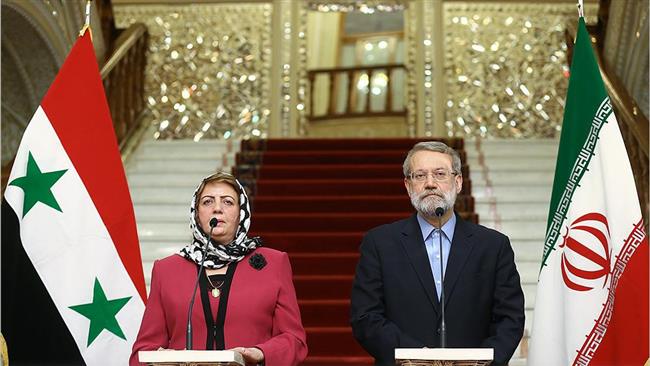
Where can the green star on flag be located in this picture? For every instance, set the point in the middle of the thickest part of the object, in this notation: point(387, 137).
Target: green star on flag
point(37, 186)
point(101, 313)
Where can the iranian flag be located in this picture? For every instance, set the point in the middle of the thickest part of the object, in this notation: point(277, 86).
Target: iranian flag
point(73, 290)
point(592, 297)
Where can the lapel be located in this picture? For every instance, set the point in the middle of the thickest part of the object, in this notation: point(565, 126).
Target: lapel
point(416, 252)
point(461, 248)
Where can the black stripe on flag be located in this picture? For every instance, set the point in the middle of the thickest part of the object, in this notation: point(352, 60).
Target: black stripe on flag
point(33, 328)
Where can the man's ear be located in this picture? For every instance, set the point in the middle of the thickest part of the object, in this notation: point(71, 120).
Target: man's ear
point(459, 183)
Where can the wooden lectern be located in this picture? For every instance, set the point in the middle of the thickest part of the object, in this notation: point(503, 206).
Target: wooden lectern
point(443, 356)
point(191, 358)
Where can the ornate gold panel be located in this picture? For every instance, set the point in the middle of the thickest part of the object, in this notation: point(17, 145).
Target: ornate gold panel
point(208, 68)
point(506, 68)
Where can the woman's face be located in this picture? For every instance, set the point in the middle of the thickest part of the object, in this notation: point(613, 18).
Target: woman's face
point(219, 200)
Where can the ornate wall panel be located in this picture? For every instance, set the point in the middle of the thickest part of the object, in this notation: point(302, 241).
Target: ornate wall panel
point(506, 67)
point(208, 68)
point(626, 47)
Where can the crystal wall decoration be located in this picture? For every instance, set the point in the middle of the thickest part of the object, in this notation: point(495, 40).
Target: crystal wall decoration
point(208, 71)
point(301, 70)
point(506, 67)
point(411, 77)
point(427, 78)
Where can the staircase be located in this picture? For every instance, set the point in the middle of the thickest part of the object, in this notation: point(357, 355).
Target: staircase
point(162, 176)
point(315, 199)
point(511, 183)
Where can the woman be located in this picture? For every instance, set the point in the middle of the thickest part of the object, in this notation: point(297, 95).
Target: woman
point(246, 295)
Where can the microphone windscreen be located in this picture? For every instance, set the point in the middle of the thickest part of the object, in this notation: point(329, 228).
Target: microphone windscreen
point(214, 222)
point(440, 211)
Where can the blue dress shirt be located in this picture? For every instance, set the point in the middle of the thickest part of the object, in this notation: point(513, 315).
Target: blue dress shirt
point(431, 238)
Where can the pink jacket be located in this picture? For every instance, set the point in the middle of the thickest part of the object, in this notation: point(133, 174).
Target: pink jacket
point(262, 310)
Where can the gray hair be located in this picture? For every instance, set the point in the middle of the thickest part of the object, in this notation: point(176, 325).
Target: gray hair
point(435, 146)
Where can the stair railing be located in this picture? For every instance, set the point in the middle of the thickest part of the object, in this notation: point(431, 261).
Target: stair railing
point(123, 77)
point(365, 85)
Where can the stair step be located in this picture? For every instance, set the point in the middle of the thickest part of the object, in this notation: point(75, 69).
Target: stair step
point(315, 287)
point(336, 187)
point(526, 163)
point(519, 191)
point(187, 149)
point(519, 228)
point(513, 143)
point(510, 177)
point(343, 171)
point(402, 144)
point(328, 204)
point(322, 313)
point(333, 341)
point(312, 242)
point(187, 180)
point(513, 211)
point(501, 152)
point(326, 157)
point(176, 166)
point(324, 263)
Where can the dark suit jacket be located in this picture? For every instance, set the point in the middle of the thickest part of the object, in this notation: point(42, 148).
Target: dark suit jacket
point(394, 302)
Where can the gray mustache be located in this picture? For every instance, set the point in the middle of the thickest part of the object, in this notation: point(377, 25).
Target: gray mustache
point(427, 192)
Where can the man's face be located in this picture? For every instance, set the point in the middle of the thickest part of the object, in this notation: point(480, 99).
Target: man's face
point(432, 192)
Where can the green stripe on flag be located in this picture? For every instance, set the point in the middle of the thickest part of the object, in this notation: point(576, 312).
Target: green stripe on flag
point(587, 107)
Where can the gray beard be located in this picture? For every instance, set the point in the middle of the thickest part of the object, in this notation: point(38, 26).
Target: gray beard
point(426, 206)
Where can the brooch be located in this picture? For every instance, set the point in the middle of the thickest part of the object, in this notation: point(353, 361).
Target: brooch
point(257, 261)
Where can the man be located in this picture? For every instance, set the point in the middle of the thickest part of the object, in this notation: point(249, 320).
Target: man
point(396, 291)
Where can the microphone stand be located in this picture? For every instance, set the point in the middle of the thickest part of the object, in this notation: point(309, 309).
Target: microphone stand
point(443, 328)
point(188, 333)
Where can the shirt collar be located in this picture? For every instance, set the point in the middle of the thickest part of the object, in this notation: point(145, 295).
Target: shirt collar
point(448, 228)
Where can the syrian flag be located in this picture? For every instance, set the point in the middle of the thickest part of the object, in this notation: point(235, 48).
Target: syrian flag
point(592, 297)
point(73, 290)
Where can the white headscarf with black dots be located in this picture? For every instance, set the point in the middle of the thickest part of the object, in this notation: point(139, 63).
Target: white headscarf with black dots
point(219, 255)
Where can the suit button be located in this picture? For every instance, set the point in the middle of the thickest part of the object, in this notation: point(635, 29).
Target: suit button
point(438, 330)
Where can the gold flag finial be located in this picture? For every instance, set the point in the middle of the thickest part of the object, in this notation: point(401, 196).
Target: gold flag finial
point(581, 9)
point(87, 22)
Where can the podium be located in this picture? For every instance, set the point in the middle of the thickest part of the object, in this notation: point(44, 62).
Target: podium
point(191, 358)
point(443, 356)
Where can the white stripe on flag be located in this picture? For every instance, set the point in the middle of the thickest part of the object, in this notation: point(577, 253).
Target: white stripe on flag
point(69, 249)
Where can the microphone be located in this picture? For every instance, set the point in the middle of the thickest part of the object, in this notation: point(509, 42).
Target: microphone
point(443, 329)
point(188, 333)
point(213, 224)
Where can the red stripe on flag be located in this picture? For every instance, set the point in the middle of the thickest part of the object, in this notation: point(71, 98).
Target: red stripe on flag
point(626, 339)
point(76, 106)
point(620, 335)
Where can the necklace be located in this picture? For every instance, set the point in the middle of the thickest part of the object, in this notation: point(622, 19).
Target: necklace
point(216, 290)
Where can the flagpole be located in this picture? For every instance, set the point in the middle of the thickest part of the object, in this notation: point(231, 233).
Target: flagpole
point(87, 22)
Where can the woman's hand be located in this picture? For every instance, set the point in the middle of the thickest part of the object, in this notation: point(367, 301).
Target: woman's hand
point(252, 356)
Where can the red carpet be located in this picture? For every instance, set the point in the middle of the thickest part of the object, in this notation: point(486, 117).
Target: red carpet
point(315, 198)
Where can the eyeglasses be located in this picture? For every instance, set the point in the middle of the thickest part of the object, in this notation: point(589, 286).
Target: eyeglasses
point(438, 175)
